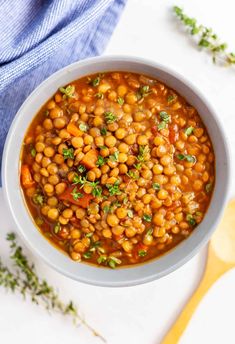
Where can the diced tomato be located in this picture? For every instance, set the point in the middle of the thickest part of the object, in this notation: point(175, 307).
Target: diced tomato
point(81, 201)
point(173, 133)
point(154, 130)
point(26, 177)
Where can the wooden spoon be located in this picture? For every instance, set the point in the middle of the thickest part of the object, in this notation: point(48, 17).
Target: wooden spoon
point(221, 258)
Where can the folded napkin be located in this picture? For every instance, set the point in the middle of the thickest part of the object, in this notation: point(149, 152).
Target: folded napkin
point(39, 37)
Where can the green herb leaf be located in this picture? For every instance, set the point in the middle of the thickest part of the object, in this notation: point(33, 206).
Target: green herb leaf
point(143, 91)
point(110, 117)
point(147, 218)
point(81, 168)
point(38, 199)
point(103, 131)
point(76, 195)
point(99, 95)
point(188, 131)
point(164, 116)
point(190, 219)
point(133, 175)
point(156, 186)
point(143, 153)
point(120, 101)
point(97, 191)
point(130, 213)
point(142, 253)
point(57, 228)
point(68, 153)
point(33, 152)
point(100, 161)
point(68, 91)
point(170, 99)
point(114, 188)
point(95, 82)
point(113, 261)
point(187, 157)
point(161, 125)
point(114, 156)
point(138, 166)
point(87, 255)
point(101, 259)
point(83, 127)
point(149, 231)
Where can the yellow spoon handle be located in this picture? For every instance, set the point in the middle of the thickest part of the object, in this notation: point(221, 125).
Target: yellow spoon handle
point(213, 271)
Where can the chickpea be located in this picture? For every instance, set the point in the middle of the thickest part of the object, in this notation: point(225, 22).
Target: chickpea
point(131, 98)
point(53, 214)
point(197, 185)
point(123, 148)
point(75, 234)
point(162, 194)
point(161, 151)
point(127, 246)
point(77, 142)
point(94, 132)
point(99, 110)
point(60, 188)
point(59, 123)
point(158, 219)
point(114, 172)
point(142, 140)
point(58, 159)
point(147, 240)
point(157, 169)
point(121, 213)
point(121, 90)
point(103, 88)
point(39, 146)
point(130, 232)
point(112, 220)
point(165, 160)
point(52, 168)
point(130, 139)
point(53, 179)
point(44, 172)
point(139, 116)
point(120, 133)
point(56, 112)
point(122, 157)
point(80, 213)
point(110, 141)
point(48, 188)
point(51, 105)
point(75, 256)
point(52, 201)
point(91, 176)
point(118, 230)
point(122, 168)
point(147, 174)
point(47, 124)
point(146, 199)
point(97, 172)
point(107, 233)
point(45, 209)
point(88, 139)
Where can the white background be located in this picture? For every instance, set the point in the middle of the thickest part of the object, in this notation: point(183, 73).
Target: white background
point(142, 314)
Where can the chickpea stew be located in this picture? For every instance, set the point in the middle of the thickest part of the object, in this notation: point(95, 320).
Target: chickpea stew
point(117, 169)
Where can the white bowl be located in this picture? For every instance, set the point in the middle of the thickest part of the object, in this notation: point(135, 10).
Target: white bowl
point(136, 274)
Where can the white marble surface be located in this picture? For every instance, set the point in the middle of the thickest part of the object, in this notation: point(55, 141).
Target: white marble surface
point(142, 314)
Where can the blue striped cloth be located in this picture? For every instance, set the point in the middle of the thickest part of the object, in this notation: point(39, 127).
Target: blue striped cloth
point(39, 37)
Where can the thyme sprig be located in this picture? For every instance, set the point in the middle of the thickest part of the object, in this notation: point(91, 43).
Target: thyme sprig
point(23, 278)
point(206, 39)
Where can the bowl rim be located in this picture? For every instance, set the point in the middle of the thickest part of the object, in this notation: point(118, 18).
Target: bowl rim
point(10, 195)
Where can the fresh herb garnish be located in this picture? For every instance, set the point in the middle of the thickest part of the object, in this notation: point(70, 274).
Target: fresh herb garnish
point(100, 161)
point(164, 116)
point(87, 255)
point(130, 213)
point(114, 188)
point(68, 153)
point(132, 175)
point(33, 151)
point(23, 278)
point(38, 199)
point(147, 218)
point(81, 168)
point(83, 127)
point(114, 156)
point(68, 91)
point(143, 153)
point(110, 208)
point(76, 195)
point(142, 253)
point(208, 187)
point(57, 228)
point(149, 231)
point(187, 157)
point(110, 117)
point(170, 99)
point(113, 262)
point(206, 39)
point(138, 165)
point(161, 125)
point(156, 186)
point(191, 220)
point(120, 101)
point(103, 131)
point(96, 190)
point(143, 91)
point(46, 113)
point(102, 259)
point(95, 82)
point(188, 131)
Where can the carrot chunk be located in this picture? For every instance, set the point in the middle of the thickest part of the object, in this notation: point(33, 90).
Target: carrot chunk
point(90, 158)
point(69, 195)
point(74, 130)
point(26, 177)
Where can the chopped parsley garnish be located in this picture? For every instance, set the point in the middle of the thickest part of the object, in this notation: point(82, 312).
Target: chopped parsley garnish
point(87, 255)
point(114, 188)
point(46, 113)
point(138, 165)
point(95, 82)
point(147, 218)
point(79, 180)
point(110, 117)
point(113, 262)
point(142, 253)
point(76, 195)
point(132, 174)
point(83, 127)
point(156, 186)
point(100, 161)
point(68, 153)
point(143, 91)
point(149, 231)
point(101, 259)
point(57, 228)
point(103, 131)
point(81, 168)
point(130, 213)
point(164, 116)
point(191, 220)
point(143, 153)
point(170, 99)
point(99, 95)
point(187, 157)
point(33, 151)
point(38, 199)
point(161, 125)
point(68, 91)
point(188, 131)
point(96, 190)
point(208, 187)
point(120, 101)
point(110, 208)
point(89, 235)
point(114, 156)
